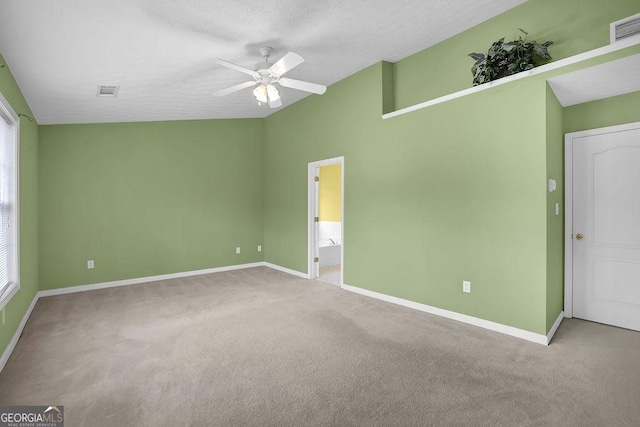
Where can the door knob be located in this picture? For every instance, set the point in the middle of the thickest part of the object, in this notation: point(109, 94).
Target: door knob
point(580, 236)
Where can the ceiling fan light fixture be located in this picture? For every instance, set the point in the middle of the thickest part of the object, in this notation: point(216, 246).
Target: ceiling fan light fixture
point(273, 93)
point(260, 92)
point(265, 93)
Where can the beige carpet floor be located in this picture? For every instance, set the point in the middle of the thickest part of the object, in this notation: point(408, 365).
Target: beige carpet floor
point(260, 347)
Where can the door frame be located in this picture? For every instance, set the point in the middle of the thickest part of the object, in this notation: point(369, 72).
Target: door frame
point(311, 196)
point(569, 139)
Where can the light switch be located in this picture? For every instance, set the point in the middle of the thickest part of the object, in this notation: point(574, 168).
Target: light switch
point(552, 185)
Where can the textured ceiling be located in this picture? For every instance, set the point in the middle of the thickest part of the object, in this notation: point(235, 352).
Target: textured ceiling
point(162, 52)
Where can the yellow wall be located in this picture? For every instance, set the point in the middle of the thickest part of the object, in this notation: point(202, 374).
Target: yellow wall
point(330, 193)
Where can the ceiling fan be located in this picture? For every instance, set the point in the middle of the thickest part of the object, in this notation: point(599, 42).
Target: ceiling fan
point(267, 76)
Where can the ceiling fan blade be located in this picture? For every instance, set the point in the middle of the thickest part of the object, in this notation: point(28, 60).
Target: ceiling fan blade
point(305, 86)
point(286, 63)
point(275, 103)
point(236, 67)
point(235, 88)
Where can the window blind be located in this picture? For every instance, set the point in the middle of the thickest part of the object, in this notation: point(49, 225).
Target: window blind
point(8, 232)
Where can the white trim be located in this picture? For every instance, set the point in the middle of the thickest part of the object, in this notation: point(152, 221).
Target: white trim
point(311, 203)
point(286, 270)
point(342, 225)
point(486, 324)
point(568, 204)
point(623, 44)
point(8, 293)
point(16, 336)
point(310, 209)
point(555, 327)
point(568, 225)
point(7, 108)
point(138, 280)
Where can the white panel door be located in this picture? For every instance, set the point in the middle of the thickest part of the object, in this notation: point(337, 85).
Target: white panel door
point(606, 228)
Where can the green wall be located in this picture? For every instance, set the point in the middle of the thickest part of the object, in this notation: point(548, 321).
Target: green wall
point(575, 26)
point(16, 308)
point(145, 199)
point(432, 198)
point(612, 111)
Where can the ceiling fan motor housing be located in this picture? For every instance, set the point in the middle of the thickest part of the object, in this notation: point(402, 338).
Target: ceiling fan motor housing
point(265, 77)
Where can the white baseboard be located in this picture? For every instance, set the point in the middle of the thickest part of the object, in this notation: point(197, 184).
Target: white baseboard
point(486, 324)
point(16, 336)
point(286, 270)
point(137, 280)
point(555, 326)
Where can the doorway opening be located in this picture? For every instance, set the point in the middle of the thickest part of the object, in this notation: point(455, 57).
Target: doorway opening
point(326, 220)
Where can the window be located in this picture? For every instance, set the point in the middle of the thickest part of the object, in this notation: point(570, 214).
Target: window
point(9, 247)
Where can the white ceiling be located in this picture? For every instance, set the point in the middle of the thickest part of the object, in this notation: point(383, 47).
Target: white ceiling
point(162, 52)
point(598, 82)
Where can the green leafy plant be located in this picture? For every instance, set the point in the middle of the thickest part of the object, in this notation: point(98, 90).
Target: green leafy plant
point(504, 59)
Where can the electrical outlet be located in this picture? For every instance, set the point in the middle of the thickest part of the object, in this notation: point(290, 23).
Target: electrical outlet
point(90, 264)
point(259, 248)
point(238, 250)
point(466, 287)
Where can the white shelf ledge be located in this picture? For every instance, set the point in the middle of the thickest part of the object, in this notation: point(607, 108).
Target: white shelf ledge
point(632, 41)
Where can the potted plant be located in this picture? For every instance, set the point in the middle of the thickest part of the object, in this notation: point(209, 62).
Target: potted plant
point(504, 59)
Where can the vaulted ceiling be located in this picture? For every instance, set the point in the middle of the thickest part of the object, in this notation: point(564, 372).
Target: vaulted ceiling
point(162, 53)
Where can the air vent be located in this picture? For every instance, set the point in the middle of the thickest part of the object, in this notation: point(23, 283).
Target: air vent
point(625, 28)
point(110, 91)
